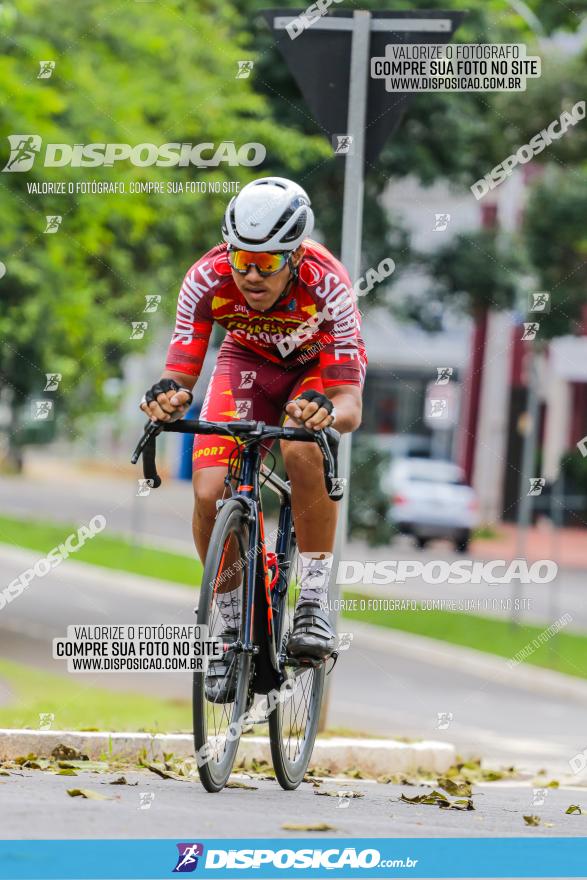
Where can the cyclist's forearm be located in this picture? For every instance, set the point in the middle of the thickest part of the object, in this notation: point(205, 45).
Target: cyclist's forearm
point(348, 405)
point(184, 379)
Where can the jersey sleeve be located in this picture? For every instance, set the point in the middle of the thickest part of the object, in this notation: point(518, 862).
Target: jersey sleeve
point(342, 354)
point(193, 323)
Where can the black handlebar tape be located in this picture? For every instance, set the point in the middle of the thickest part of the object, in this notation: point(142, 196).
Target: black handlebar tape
point(149, 466)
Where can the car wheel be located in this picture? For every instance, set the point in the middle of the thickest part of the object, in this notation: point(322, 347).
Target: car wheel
point(463, 541)
point(421, 542)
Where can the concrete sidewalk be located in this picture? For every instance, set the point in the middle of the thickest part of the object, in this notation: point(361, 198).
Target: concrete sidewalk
point(568, 546)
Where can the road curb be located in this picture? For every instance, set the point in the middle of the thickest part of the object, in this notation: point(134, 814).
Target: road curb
point(372, 756)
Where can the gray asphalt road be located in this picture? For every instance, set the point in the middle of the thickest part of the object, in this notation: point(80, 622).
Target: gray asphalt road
point(163, 518)
point(36, 805)
point(375, 690)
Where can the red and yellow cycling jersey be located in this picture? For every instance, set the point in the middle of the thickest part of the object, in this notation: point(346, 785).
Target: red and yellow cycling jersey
point(317, 320)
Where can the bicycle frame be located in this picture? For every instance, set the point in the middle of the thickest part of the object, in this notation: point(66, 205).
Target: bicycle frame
point(261, 618)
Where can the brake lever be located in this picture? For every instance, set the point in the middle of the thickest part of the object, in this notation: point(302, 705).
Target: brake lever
point(329, 440)
point(151, 430)
point(147, 448)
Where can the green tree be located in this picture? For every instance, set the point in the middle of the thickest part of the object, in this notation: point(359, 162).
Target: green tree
point(554, 229)
point(136, 73)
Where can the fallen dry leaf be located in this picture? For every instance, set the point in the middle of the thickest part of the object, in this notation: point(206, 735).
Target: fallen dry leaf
point(461, 789)
point(67, 753)
point(532, 820)
point(88, 794)
point(235, 784)
point(438, 799)
point(318, 826)
point(159, 771)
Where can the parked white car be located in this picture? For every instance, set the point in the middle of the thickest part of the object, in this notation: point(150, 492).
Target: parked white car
point(429, 499)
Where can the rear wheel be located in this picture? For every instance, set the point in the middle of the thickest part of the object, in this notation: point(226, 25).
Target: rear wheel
point(422, 542)
point(293, 722)
point(462, 541)
point(216, 728)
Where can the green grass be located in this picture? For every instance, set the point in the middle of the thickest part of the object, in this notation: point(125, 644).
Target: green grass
point(77, 705)
point(564, 652)
point(104, 550)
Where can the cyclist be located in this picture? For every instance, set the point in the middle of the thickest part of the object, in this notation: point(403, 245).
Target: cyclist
point(293, 344)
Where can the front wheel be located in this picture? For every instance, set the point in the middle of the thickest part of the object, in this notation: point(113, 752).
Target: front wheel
point(216, 715)
point(293, 722)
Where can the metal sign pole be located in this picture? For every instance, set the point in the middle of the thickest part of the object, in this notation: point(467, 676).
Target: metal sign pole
point(352, 226)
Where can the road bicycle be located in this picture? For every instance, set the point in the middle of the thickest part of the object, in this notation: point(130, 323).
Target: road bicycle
point(257, 661)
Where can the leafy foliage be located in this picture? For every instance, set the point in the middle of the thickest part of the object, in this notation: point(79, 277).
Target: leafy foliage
point(130, 74)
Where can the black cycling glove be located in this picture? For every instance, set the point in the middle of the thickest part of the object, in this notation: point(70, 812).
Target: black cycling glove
point(162, 387)
point(316, 397)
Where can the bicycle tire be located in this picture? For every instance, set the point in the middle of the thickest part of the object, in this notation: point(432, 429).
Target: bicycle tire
point(290, 773)
point(231, 520)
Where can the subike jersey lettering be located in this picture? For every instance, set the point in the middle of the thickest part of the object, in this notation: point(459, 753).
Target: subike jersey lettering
point(317, 321)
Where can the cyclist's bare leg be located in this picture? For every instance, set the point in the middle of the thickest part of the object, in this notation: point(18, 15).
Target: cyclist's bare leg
point(208, 489)
point(314, 512)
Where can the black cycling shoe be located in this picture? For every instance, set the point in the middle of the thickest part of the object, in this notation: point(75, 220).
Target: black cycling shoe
point(220, 682)
point(312, 636)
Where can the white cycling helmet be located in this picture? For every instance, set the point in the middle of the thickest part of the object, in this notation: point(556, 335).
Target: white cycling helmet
point(269, 214)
